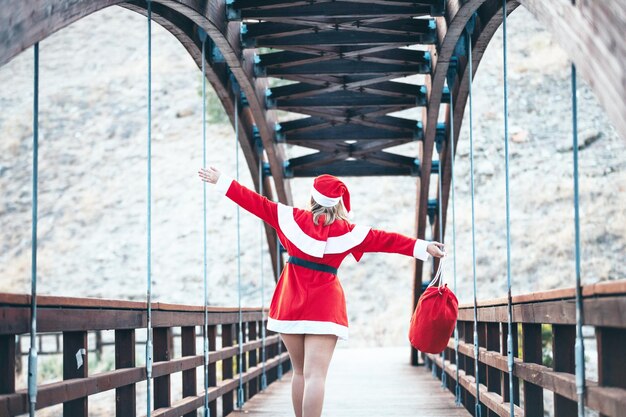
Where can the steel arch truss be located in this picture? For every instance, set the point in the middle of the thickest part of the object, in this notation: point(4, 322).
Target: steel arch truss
point(340, 58)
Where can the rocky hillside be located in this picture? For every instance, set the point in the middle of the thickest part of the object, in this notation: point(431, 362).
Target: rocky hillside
point(93, 181)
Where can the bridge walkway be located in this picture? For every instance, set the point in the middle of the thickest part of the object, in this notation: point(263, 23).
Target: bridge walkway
point(366, 382)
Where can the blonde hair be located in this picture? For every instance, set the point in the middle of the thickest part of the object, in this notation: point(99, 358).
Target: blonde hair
point(330, 213)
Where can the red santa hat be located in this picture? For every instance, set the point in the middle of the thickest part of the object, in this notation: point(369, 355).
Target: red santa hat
point(328, 191)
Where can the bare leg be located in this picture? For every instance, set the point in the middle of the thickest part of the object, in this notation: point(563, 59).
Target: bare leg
point(295, 346)
point(318, 351)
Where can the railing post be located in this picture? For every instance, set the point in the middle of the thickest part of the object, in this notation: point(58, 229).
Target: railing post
point(98, 345)
point(272, 351)
point(482, 343)
point(505, 375)
point(188, 348)
point(162, 344)
point(253, 385)
point(611, 359)
point(75, 365)
point(563, 340)
point(242, 357)
point(125, 358)
point(531, 349)
point(227, 368)
point(468, 337)
point(7, 359)
point(212, 336)
point(18, 354)
point(493, 375)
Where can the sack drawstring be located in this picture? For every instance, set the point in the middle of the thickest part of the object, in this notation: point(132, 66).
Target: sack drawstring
point(438, 276)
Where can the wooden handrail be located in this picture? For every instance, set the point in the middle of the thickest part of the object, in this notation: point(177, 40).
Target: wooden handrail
point(604, 306)
point(599, 289)
point(75, 317)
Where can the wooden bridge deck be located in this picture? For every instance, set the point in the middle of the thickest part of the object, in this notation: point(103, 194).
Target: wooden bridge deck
point(366, 382)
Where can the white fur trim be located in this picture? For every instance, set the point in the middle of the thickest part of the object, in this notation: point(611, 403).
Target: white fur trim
point(340, 244)
point(323, 200)
point(223, 184)
point(307, 327)
point(315, 247)
point(419, 250)
point(296, 235)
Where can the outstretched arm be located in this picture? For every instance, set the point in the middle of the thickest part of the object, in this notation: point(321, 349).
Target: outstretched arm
point(382, 241)
point(243, 196)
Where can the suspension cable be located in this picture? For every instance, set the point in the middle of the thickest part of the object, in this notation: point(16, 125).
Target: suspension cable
point(440, 221)
point(240, 396)
point(279, 371)
point(457, 388)
point(32, 352)
point(509, 338)
point(471, 140)
point(263, 332)
point(579, 345)
point(149, 224)
point(203, 37)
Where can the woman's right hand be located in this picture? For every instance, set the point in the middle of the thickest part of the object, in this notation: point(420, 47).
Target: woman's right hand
point(210, 175)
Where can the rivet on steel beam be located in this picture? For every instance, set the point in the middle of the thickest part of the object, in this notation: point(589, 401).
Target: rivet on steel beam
point(445, 94)
point(231, 12)
point(418, 133)
point(287, 170)
point(433, 205)
point(259, 70)
point(416, 168)
point(267, 172)
point(217, 54)
point(270, 102)
point(440, 136)
point(421, 100)
point(201, 34)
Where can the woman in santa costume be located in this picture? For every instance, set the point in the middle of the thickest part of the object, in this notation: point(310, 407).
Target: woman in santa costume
point(308, 308)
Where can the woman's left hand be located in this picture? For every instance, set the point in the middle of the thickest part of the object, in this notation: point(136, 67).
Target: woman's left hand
point(436, 249)
point(210, 175)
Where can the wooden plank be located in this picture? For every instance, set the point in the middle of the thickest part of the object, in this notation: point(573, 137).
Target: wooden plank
point(607, 311)
point(162, 353)
point(606, 288)
point(591, 36)
point(125, 358)
point(74, 344)
point(563, 340)
point(188, 348)
point(350, 392)
point(7, 359)
point(531, 348)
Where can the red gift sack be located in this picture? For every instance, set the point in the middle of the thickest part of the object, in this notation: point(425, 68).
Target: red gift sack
point(435, 316)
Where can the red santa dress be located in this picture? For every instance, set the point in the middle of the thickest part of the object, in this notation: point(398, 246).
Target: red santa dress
point(308, 301)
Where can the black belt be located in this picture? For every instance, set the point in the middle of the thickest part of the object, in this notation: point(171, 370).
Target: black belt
point(312, 265)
